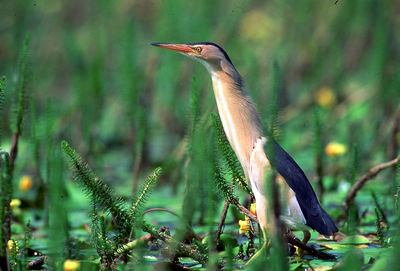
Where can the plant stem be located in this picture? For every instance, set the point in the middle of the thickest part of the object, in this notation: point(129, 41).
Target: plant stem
point(221, 223)
point(372, 172)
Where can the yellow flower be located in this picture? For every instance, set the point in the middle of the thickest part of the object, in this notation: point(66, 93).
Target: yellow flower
point(12, 246)
point(335, 149)
point(15, 203)
point(325, 97)
point(253, 209)
point(25, 183)
point(71, 265)
point(244, 226)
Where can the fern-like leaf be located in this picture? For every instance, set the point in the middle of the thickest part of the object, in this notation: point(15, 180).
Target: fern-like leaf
point(222, 185)
point(2, 97)
point(19, 109)
point(144, 193)
point(100, 192)
point(95, 229)
point(2, 88)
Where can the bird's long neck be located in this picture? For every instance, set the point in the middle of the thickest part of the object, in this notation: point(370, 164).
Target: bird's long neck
point(238, 115)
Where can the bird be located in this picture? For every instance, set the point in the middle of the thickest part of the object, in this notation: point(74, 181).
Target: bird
point(245, 132)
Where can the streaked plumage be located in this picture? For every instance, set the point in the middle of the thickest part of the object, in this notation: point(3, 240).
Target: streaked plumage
point(243, 128)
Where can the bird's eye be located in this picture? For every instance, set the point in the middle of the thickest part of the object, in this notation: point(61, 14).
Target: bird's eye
point(198, 49)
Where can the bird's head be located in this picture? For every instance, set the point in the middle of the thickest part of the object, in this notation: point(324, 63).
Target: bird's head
point(208, 53)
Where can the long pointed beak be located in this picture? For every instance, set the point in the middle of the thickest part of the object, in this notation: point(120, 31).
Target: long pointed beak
point(181, 48)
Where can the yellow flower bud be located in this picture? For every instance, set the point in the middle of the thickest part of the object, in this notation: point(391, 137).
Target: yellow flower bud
point(71, 265)
point(15, 203)
point(25, 183)
point(253, 209)
point(335, 149)
point(12, 246)
point(325, 97)
point(244, 226)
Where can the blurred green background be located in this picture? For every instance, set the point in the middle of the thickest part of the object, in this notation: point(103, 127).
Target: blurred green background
point(91, 62)
point(94, 80)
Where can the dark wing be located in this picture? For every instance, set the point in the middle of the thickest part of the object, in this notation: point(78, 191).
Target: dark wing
point(315, 216)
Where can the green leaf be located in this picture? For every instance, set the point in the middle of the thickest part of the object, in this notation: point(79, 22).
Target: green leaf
point(355, 240)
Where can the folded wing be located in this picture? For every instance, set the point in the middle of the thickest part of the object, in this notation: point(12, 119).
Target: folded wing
point(315, 216)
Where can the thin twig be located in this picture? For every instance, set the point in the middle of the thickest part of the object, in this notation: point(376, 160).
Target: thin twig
point(133, 244)
point(243, 209)
point(221, 222)
point(162, 210)
point(36, 264)
point(180, 249)
point(292, 239)
point(372, 172)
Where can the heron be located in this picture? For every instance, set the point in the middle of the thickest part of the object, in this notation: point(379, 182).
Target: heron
point(244, 131)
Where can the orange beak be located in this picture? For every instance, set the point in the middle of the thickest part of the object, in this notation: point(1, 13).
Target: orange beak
point(181, 48)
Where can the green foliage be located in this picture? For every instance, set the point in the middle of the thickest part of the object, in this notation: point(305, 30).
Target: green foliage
point(34, 136)
point(5, 199)
point(6, 178)
point(318, 151)
point(379, 208)
point(27, 240)
point(396, 185)
point(352, 219)
point(354, 164)
point(105, 248)
point(318, 144)
point(20, 106)
point(394, 259)
point(58, 226)
point(99, 192)
point(194, 193)
point(275, 88)
point(143, 194)
point(195, 104)
point(3, 81)
point(352, 260)
point(379, 228)
point(103, 198)
point(137, 151)
point(2, 99)
point(223, 186)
